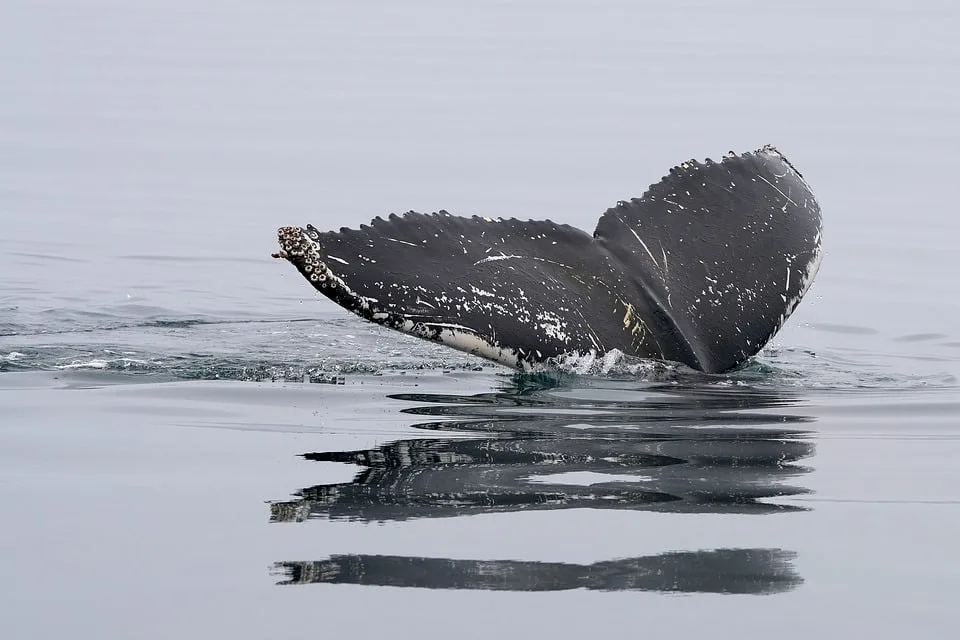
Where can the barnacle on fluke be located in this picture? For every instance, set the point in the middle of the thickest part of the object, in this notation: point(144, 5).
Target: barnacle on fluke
point(703, 269)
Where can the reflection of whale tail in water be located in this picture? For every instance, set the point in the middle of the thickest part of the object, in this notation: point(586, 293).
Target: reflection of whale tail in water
point(719, 571)
point(660, 448)
point(703, 269)
point(632, 458)
point(456, 477)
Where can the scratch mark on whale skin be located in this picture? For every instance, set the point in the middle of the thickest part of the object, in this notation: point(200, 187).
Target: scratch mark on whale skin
point(777, 189)
point(642, 243)
point(495, 258)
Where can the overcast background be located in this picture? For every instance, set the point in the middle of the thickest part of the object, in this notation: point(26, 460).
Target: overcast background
point(180, 129)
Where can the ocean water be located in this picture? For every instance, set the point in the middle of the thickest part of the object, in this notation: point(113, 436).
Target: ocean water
point(193, 444)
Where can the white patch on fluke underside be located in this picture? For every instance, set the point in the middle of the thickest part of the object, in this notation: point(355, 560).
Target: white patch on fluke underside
point(463, 339)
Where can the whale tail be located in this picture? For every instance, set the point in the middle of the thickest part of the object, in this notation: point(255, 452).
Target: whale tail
point(703, 269)
point(726, 250)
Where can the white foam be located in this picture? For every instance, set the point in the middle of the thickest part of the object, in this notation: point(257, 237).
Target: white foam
point(96, 363)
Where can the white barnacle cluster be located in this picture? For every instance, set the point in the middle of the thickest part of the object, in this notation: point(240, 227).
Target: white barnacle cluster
point(315, 268)
point(302, 248)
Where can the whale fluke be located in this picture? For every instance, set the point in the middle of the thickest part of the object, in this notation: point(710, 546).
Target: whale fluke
point(703, 269)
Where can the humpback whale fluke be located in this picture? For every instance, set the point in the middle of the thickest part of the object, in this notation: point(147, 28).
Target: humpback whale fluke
point(703, 269)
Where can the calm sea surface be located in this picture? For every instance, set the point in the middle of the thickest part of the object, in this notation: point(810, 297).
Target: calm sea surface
point(194, 445)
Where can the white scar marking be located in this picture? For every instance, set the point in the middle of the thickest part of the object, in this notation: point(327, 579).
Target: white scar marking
point(340, 260)
point(404, 242)
point(502, 256)
point(642, 243)
point(787, 288)
point(775, 188)
point(594, 338)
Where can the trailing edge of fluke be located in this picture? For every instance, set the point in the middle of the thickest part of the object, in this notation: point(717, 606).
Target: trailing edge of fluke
point(703, 269)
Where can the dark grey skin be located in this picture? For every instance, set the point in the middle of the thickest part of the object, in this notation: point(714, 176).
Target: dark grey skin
point(755, 571)
point(703, 269)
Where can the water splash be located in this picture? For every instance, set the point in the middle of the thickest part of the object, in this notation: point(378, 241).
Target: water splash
point(148, 341)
